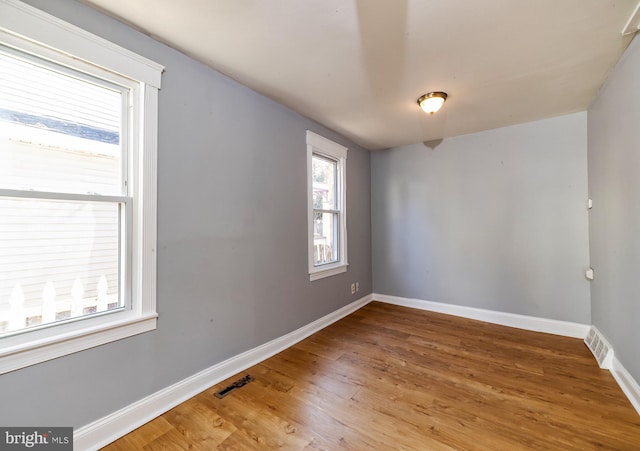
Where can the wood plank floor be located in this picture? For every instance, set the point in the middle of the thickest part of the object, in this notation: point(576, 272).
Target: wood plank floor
point(389, 377)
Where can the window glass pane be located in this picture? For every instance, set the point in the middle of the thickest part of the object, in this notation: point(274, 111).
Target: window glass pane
point(325, 238)
point(58, 132)
point(58, 260)
point(324, 183)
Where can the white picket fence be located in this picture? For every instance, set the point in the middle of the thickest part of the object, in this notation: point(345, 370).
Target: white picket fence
point(322, 251)
point(52, 308)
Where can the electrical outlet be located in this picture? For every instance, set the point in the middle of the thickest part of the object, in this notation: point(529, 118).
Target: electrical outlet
point(353, 288)
point(357, 286)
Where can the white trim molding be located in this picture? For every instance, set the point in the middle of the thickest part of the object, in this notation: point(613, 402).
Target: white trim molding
point(107, 429)
point(633, 24)
point(24, 21)
point(606, 357)
point(627, 383)
point(549, 326)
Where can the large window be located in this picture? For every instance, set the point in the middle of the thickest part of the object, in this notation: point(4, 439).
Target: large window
point(78, 121)
point(326, 163)
point(64, 194)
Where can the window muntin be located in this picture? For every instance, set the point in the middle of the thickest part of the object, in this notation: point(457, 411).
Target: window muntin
point(63, 147)
point(326, 163)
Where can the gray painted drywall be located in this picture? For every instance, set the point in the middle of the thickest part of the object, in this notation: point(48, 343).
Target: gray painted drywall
point(494, 220)
point(232, 241)
point(614, 186)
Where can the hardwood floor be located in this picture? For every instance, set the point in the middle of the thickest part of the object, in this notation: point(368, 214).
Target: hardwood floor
point(389, 377)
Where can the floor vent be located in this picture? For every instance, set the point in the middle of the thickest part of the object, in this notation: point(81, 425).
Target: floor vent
point(236, 385)
point(599, 347)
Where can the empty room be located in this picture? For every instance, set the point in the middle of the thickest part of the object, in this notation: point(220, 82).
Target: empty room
point(319, 224)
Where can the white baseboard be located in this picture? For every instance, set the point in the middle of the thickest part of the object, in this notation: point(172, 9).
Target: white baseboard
point(627, 383)
point(111, 427)
point(108, 429)
point(550, 326)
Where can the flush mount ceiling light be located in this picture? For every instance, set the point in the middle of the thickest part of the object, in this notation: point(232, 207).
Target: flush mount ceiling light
point(432, 102)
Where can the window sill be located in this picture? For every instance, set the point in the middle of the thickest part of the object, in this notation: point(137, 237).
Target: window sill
point(67, 342)
point(328, 271)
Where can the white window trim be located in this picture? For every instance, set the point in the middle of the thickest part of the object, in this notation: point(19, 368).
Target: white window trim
point(319, 145)
point(31, 30)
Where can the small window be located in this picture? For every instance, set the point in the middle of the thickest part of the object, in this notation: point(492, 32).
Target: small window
point(78, 152)
point(326, 162)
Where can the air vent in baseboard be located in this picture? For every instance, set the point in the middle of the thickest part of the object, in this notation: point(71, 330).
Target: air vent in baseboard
point(601, 350)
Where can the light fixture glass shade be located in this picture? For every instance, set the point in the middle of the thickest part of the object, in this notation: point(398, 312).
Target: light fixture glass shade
point(432, 102)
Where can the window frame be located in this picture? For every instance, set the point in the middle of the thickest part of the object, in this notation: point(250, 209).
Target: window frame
point(325, 148)
point(29, 30)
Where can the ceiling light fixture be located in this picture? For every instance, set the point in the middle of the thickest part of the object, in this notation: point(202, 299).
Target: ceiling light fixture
point(432, 102)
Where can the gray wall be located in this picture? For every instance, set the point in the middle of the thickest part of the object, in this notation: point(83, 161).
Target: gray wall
point(232, 241)
point(494, 220)
point(614, 186)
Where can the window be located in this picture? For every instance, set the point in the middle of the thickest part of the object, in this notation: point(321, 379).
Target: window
point(64, 193)
point(326, 164)
point(78, 118)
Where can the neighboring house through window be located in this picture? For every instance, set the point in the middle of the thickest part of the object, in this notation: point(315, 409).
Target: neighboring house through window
point(326, 165)
point(78, 125)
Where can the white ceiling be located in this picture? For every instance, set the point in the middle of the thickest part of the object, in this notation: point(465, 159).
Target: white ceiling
point(358, 66)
